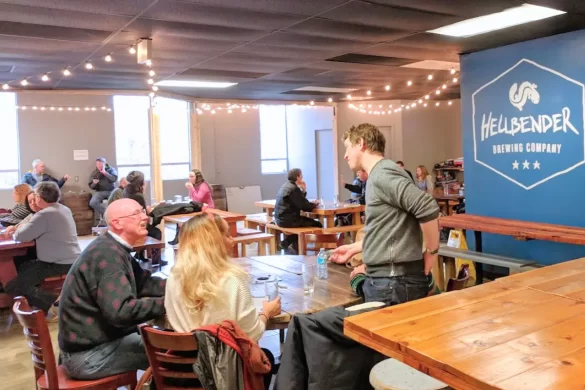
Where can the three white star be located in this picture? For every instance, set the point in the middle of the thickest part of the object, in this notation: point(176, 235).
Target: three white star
point(536, 165)
point(515, 164)
point(525, 165)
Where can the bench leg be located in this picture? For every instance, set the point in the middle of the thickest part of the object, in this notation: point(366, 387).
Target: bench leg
point(272, 244)
point(302, 248)
point(262, 248)
point(243, 252)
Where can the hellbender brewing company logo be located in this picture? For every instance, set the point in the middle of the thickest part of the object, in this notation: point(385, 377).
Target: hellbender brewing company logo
point(528, 124)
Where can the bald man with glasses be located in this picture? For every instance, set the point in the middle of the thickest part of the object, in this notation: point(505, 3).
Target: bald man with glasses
point(106, 295)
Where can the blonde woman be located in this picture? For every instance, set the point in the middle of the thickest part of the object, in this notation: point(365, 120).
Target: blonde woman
point(424, 181)
point(19, 211)
point(206, 288)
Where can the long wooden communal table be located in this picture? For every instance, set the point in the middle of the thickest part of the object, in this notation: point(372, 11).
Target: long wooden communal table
point(231, 218)
point(525, 331)
point(444, 199)
point(330, 292)
point(326, 213)
point(520, 230)
point(9, 249)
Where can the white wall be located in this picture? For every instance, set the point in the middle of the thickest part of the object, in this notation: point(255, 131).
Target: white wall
point(302, 122)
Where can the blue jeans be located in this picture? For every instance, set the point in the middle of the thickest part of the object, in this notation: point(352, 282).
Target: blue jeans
point(397, 289)
point(96, 201)
point(115, 357)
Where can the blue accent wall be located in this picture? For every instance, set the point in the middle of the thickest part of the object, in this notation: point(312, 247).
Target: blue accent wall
point(523, 138)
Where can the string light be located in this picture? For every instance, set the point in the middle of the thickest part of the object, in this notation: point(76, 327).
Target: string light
point(229, 111)
point(420, 101)
point(151, 73)
point(409, 83)
point(132, 49)
point(452, 71)
point(154, 88)
point(349, 97)
point(455, 79)
point(369, 92)
point(148, 63)
point(45, 77)
point(427, 97)
point(35, 108)
point(424, 105)
point(330, 100)
point(387, 88)
point(213, 111)
point(66, 72)
point(150, 81)
point(312, 103)
point(88, 65)
point(244, 110)
point(450, 102)
point(5, 86)
point(444, 86)
point(430, 77)
point(437, 104)
point(24, 82)
point(438, 91)
point(108, 58)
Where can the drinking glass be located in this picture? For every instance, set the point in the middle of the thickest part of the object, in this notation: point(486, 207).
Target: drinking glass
point(336, 200)
point(309, 277)
point(271, 289)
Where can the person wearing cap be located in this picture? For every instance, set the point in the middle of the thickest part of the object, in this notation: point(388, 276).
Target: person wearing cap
point(102, 181)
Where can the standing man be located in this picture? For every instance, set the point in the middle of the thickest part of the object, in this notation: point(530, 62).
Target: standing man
point(401, 165)
point(103, 181)
point(38, 175)
point(290, 201)
point(398, 217)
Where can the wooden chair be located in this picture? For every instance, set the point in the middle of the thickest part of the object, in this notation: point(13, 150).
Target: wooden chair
point(315, 241)
point(166, 353)
point(461, 281)
point(48, 375)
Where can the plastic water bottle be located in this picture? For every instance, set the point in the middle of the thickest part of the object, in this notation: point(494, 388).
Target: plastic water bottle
point(322, 264)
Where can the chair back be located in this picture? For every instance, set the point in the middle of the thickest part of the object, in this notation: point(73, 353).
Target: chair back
point(461, 281)
point(314, 242)
point(167, 353)
point(38, 338)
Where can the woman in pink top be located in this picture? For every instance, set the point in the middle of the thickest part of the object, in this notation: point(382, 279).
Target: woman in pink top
point(199, 190)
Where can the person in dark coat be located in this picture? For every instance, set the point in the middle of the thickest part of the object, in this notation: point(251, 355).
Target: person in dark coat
point(290, 201)
point(135, 190)
point(103, 181)
point(38, 175)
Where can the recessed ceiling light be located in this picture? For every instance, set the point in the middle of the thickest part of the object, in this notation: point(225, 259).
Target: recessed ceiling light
point(507, 18)
point(194, 84)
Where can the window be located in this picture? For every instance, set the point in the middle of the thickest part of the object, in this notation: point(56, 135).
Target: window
point(175, 151)
point(273, 144)
point(131, 120)
point(9, 175)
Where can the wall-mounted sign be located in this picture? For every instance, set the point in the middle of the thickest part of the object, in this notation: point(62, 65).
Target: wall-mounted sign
point(79, 155)
point(528, 124)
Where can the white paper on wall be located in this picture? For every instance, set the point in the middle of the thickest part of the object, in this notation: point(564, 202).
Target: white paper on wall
point(79, 155)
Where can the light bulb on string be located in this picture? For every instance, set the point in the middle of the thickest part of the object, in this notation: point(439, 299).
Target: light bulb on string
point(60, 108)
point(88, 65)
point(450, 102)
point(150, 81)
point(369, 92)
point(437, 104)
point(103, 108)
point(387, 88)
point(132, 50)
point(229, 111)
point(148, 63)
point(455, 79)
point(444, 86)
point(154, 88)
point(45, 77)
point(409, 83)
point(420, 101)
point(244, 110)
point(93, 109)
point(66, 72)
point(24, 82)
point(312, 103)
point(108, 58)
point(430, 77)
point(42, 108)
point(151, 73)
point(424, 105)
point(213, 111)
point(35, 108)
point(408, 107)
point(77, 108)
point(349, 97)
point(452, 71)
point(438, 91)
point(427, 97)
point(330, 100)
point(5, 86)
point(86, 108)
point(70, 109)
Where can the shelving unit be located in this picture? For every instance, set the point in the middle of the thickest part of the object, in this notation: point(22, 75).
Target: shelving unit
point(452, 176)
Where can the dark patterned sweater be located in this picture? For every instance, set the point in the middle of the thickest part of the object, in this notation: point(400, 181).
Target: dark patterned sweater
point(105, 296)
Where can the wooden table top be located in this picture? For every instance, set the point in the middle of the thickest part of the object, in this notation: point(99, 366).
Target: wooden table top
point(440, 195)
point(327, 209)
point(182, 218)
point(522, 230)
point(334, 291)
point(9, 244)
point(525, 331)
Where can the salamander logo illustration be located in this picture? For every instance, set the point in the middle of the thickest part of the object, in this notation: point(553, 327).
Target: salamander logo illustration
point(519, 96)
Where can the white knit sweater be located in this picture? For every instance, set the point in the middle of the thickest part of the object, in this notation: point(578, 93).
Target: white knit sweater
point(233, 302)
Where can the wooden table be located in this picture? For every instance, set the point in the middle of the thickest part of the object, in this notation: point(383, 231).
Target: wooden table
point(525, 331)
point(325, 212)
point(444, 199)
point(330, 292)
point(520, 230)
point(9, 249)
point(231, 218)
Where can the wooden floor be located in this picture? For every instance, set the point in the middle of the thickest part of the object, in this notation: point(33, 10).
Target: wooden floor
point(16, 370)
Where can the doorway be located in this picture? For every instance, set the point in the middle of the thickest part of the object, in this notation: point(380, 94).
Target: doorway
point(324, 161)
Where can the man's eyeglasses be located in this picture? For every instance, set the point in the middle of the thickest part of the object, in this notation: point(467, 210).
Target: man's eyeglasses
point(143, 211)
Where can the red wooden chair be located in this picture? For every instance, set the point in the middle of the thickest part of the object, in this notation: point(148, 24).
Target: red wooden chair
point(167, 353)
point(48, 375)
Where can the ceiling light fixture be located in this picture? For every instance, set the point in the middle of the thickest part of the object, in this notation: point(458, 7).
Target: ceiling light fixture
point(108, 58)
point(132, 49)
point(387, 88)
point(499, 20)
point(45, 77)
point(194, 84)
point(88, 65)
point(66, 72)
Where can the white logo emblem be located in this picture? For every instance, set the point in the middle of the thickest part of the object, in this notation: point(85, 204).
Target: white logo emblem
point(519, 96)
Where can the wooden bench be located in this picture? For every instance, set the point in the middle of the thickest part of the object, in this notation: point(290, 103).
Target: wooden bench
point(257, 221)
point(247, 232)
point(351, 229)
point(447, 267)
point(152, 247)
point(276, 230)
point(261, 238)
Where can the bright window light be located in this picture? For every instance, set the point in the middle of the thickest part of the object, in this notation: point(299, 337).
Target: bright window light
point(510, 17)
point(194, 84)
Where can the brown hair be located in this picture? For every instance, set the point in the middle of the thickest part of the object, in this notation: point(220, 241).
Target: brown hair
point(373, 138)
point(423, 171)
point(21, 191)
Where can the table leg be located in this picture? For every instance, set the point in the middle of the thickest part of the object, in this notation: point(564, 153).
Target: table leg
point(272, 243)
point(478, 266)
point(269, 212)
point(234, 232)
point(302, 251)
point(329, 221)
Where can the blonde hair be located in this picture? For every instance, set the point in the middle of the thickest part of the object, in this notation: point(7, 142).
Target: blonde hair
point(202, 260)
point(21, 191)
point(423, 173)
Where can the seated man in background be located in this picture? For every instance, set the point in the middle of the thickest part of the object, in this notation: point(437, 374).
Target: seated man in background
point(118, 193)
point(53, 229)
point(103, 181)
point(38, 175)
point(401, 165)
point(106, 295)
point(290, 201)
point(358, 187)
